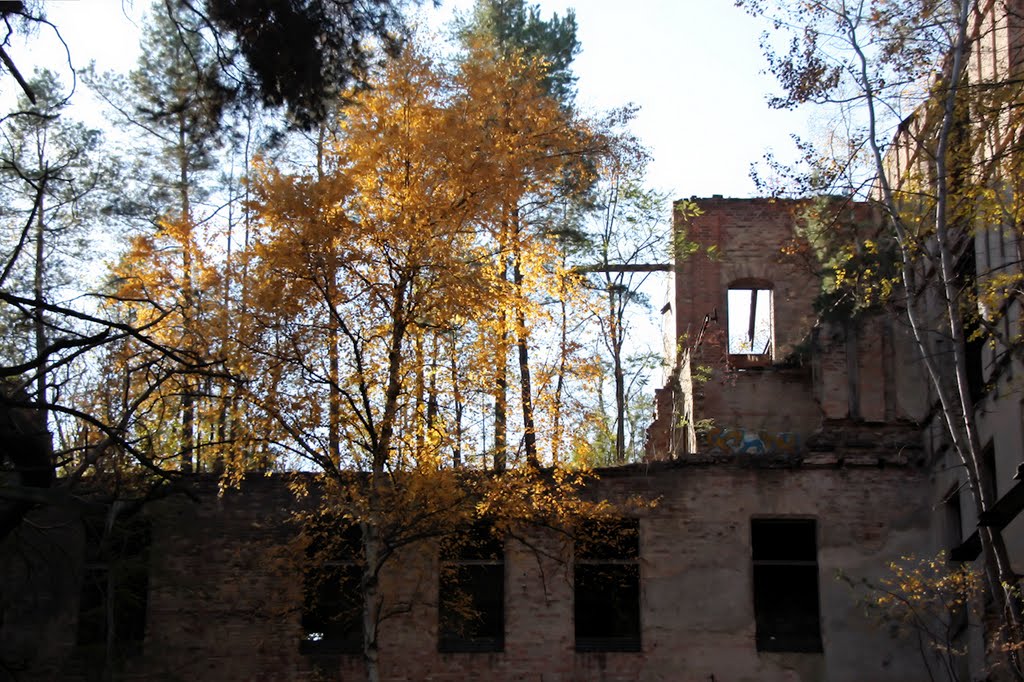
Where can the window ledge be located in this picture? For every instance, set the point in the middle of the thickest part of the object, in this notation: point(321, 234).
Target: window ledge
point(749, 361)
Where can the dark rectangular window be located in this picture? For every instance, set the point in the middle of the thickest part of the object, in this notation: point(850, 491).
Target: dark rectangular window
point(953, 521)
point(471, 592)
point(115, 587)
point(607, 585)
point(332, 613)
point(785, 562)
point(974, 360)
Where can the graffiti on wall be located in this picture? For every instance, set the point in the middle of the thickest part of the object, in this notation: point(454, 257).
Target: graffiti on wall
point(735, 441)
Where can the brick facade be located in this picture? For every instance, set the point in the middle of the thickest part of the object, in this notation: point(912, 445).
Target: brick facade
point(816, 373)
point(821, 432)
point(225, 584)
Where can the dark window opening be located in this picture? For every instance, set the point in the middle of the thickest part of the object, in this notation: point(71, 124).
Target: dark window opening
point(332, 613)
point(965, 276)
point(115, 589)
point(954, 524)
point(954, 532)
point(607, 585)
point(974, 360)
point(471, 592)
point(751, 325)
point(989, 478)
point(785, 562)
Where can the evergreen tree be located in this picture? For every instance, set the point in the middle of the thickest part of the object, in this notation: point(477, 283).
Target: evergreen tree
point(515, 26)
point(300, 54)
point(506, 31)
point(48, 180)
point(48, 174)
point(173, 103)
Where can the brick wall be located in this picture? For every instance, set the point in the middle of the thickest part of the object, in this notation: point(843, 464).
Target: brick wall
point(747, 236)
point(224, 599)
point(861, 369)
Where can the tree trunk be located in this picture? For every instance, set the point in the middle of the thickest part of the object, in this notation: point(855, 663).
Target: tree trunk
point(370, 588)
point(613, 287)
point(615, 314)
point(420, 393)
point(526, 391)
point(38, 318)
point(188, 303)
point(501, 389)
point(333, 340)
point(457, 398)
point(563, 347)
point(334, 398)
point(432, 407)
point(382, 436)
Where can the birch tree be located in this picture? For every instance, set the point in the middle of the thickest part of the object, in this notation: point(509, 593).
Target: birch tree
point(929, 136)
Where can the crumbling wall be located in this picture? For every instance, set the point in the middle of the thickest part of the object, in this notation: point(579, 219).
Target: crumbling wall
point(740, 241)
point(817, 372)
point(225, 583)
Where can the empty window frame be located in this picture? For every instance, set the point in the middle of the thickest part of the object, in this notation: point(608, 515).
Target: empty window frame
point(953, 529)
point(115, 588)
point(953, 524)
point(751, 321)
point(785, 563)
point(607, 585)
point(332, 609)
point(471, 592)
point(989, 475)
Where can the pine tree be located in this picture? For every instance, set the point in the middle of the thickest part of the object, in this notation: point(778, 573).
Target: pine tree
point(510, 32)
point(173, 104)
point(48, 170)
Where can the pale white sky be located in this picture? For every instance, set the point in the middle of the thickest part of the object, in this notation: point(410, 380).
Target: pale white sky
point(693, 66)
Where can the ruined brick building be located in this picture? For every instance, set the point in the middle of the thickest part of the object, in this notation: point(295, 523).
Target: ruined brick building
point(773, 377)
point(812, 470)
point(792, 456)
